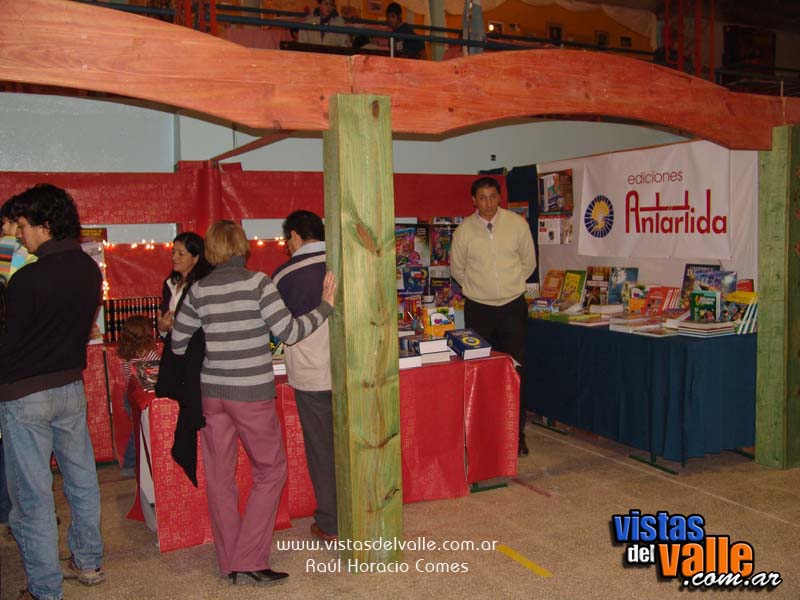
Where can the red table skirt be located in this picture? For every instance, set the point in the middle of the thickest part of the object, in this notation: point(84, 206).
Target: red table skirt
point(443, 408)
point(97, 417)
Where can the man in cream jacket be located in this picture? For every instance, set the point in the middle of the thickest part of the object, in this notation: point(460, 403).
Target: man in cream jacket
point(491, 257)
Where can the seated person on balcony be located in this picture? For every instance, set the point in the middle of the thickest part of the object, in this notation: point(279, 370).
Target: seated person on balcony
point(324, 14)
point(403, 48)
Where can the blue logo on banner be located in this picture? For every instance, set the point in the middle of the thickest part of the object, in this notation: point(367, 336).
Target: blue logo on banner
point(599, 217)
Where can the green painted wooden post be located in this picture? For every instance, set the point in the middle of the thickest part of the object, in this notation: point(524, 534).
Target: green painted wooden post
point(359, 212)
point(778, 370)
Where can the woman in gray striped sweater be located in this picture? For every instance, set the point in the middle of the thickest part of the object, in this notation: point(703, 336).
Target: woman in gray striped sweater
point(237, 310)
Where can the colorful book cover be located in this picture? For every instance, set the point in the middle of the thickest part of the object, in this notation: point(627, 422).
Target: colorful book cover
point(441, 240)
point(415, 279)
point(405, 254)
point(552, 284)
point(688, 280)
point(468, 344)
point(704, 305)
point(441, 291)
point(542, 308)
point(456, 295)
point(723, 282)
point(597, 280)
point(622, 280)
point(572, 290)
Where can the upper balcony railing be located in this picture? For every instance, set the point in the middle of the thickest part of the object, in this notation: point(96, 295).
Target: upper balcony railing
point(273, 28)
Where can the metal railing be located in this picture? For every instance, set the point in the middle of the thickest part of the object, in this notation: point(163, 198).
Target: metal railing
point(746, 78)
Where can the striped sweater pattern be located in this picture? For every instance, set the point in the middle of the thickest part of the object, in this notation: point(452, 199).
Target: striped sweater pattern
point(237, 310)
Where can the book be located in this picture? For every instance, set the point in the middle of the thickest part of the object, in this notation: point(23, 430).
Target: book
point(745, 285)
point(436, 357)
point(688, 280)
point(634, 325)
point(723, 282)
point(415, 279)
point(554, 230)
point(467, 344)
point(628, 319)
point(660, 298)
point(409, 360)
point(597, 280)
point(572, 290)
point(542, 308)
point(622, 279)
point(552, 284)
point(658, 332)
point(673, 317)
point(423, 343)
point(588, 320)
point(441, 240)
point(704, 305)
point(606, 309)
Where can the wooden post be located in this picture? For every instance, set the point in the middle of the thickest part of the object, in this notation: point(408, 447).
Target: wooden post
point(778, 371)
point(359, 212)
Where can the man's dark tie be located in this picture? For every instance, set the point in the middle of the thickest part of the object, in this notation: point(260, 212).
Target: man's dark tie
point(489, 225)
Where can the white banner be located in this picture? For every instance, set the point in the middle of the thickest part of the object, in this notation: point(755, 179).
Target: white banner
point(662, 202)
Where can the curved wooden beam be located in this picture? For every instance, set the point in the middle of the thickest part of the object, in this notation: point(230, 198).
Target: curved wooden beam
point(54, 42)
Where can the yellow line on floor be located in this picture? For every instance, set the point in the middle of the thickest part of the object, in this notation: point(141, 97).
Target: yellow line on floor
point(528, 564)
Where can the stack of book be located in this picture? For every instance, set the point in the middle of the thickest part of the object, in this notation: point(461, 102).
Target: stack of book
point(409, 359)
point(421, 349)
point(705, 329)
point(630, 322)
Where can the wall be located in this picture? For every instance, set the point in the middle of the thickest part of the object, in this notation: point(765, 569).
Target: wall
point(52, 133)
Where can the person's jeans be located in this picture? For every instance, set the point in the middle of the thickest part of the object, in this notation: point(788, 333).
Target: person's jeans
point(34, 426)
point(5, 500)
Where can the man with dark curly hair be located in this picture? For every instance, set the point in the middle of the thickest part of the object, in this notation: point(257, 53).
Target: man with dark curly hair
point(51, 307)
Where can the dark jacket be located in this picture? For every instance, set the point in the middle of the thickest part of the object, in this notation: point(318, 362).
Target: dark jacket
point(179, 379)
point(51, 306)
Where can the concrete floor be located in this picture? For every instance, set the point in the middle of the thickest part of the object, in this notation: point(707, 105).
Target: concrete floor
point(552, 525)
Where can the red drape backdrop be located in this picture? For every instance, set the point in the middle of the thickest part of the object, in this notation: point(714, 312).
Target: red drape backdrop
point(199, 194)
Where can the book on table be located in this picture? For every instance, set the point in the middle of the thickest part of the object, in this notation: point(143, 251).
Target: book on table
point(552, 284)
point(656, 331)
point(704, 329)
point(723, 282)
point(673, 317)
point(606, 309)
point(632, 325)
point(622, 280)
point(704, 305)
point(436, 357)
point(467, 344)
point(572, 290)
point(409, 359)
point(687, 286)
point(422, 343)
point(588, 320)
point(597, 279)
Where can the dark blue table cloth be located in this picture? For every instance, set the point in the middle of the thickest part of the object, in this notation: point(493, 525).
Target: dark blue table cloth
point(675, 397)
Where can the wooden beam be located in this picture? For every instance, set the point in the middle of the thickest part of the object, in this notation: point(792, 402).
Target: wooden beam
point(778, 370)
point(359, 211)
point(250, 146)
point(84, 47)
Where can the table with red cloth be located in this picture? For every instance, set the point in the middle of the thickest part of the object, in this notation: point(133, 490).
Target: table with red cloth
point(443, 409)
point(97, 417)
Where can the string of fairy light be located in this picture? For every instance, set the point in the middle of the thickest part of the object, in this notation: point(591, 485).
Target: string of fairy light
point(152, 245)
